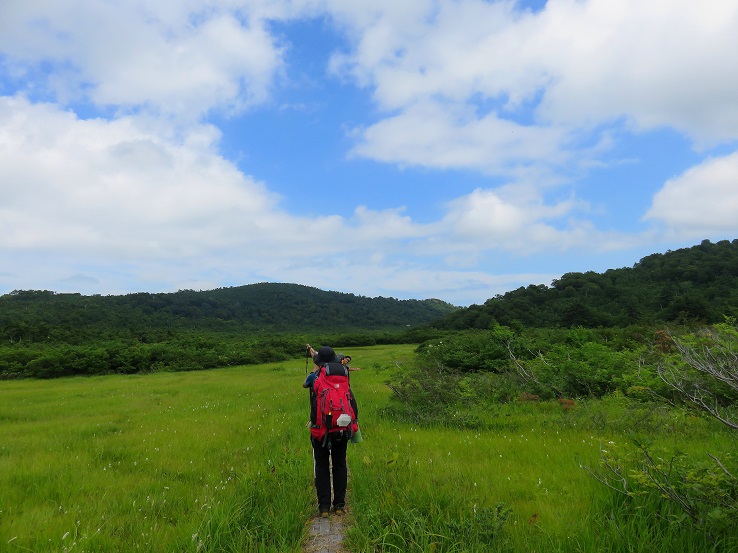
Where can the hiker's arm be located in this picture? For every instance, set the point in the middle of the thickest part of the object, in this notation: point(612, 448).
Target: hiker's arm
point(311, 350)
point(309, 380)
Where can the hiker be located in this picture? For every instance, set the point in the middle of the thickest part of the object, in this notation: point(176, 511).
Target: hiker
point(345, 360)
point(329, 444)
point(316, 367)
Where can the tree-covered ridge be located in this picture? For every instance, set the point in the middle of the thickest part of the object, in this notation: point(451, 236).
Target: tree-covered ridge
point(44, 315)
point(692, 284)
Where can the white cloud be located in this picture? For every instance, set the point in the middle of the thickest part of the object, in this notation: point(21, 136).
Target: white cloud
point(519, 221)
point(101, 185)
point(655, 63)
point(701, 202)
point(179, 58)
point(103, 204)
point(388, 224)
point(122, 189)
point(446, 137)
point(464, 73)
point(464, 85)
point(130, 190)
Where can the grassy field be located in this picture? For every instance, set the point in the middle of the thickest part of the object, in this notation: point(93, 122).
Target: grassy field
point(220, 461)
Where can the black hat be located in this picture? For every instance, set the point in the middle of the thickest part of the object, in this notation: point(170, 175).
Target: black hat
point(324, 355)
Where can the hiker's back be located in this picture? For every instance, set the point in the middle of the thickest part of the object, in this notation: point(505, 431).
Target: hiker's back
point(334, 411)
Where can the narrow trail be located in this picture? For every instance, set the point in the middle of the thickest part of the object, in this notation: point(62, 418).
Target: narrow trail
point(326, 535)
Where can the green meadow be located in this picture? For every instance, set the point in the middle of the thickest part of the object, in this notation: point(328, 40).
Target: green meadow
point(220, 460)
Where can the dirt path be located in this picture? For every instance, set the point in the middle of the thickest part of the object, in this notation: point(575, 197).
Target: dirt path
point(326, 535)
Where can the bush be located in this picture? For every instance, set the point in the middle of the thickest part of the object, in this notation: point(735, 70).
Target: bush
point(676, 488)
point(469, 351)
point(433, 395)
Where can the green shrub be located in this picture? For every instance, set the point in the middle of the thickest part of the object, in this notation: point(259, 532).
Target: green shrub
point(677, 488)
point(469, 351)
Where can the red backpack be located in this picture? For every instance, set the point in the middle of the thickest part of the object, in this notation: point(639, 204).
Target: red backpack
point(333, 407)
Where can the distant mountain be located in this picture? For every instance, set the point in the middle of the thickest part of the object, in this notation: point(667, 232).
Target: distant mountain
point(39, 315)
point(697, 284)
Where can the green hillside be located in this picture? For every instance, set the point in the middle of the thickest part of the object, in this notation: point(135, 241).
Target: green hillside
point(697, 284)
point(264, 307)
point(46, 334)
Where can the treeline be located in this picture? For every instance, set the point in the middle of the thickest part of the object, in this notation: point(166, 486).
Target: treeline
point(691, 285)
point(44, 316)
point(176, 351)
point(45, 334)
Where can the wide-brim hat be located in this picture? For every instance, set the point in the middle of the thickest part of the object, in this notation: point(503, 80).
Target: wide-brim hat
point(324, 355)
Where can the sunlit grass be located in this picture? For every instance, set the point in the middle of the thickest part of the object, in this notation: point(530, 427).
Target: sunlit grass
point(118, 463)
point(439, 489)
point(220, 461)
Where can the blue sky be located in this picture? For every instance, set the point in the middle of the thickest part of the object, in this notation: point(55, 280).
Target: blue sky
point(454, 150)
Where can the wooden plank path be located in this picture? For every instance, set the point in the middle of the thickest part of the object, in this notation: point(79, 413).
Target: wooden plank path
point(326, 535)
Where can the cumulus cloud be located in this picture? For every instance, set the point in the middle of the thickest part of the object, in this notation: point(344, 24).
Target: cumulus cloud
point(504, 220)
point(180, 58)
point(702, 201)
point(579, 66)
point(129, 202)
point(442, 137)
point(436, 49)
point(106, 152)
point(656, 64)
point(124, 189)
point(120, 186)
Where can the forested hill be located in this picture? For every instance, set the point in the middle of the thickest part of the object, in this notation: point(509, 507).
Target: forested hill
point(37, 315)
point(697, 284)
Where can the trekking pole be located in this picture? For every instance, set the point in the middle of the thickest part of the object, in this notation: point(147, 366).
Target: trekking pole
point(307, 354)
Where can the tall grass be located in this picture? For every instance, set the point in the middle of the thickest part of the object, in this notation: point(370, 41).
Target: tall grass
point(221, 461)
point(163, 462)
point(519, 480)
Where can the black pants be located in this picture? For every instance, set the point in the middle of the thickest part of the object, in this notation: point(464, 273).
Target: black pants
point(323, 458)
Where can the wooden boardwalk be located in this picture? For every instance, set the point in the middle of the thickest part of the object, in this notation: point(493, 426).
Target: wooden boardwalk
point(326, 535)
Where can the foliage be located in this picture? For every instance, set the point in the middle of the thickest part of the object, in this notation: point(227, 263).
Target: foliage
point(186, 351)
point(43, 316)
point(702, 369)
point(431, 395)
point(589, 369)
point(676, 487)
point(220, 461)
point(705, 372)
point(697, 284)
point(48, 335)
point(181, 351)
point(470, 351)
point(695, 367)
point(498, 365)
point(587, 334)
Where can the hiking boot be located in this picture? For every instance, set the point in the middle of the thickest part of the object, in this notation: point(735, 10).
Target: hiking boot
point(324, 514)
point(339, 510)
